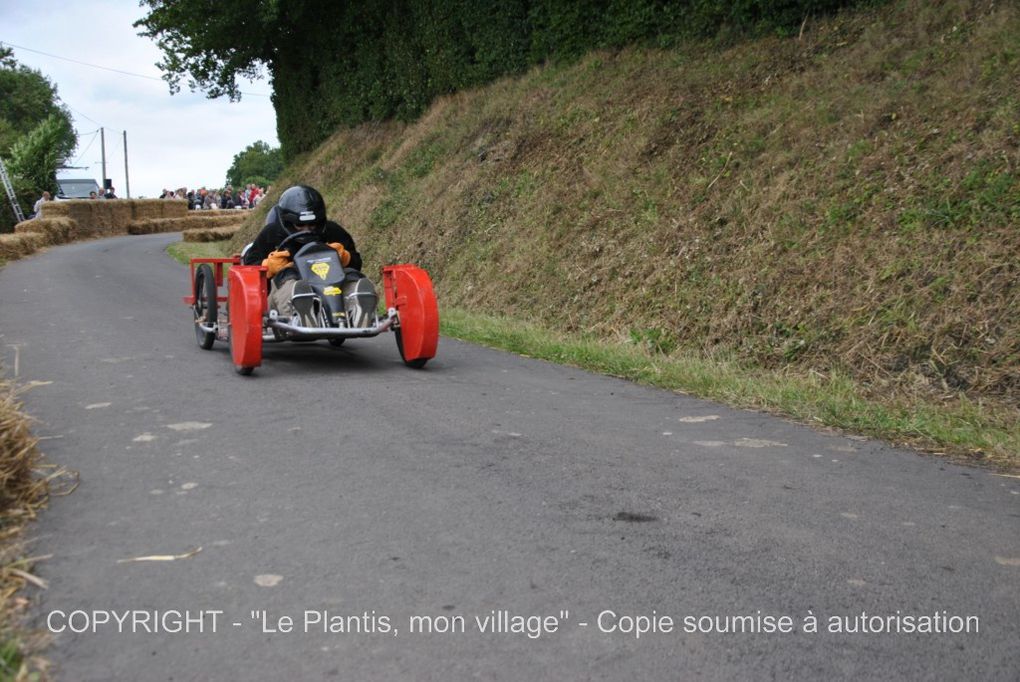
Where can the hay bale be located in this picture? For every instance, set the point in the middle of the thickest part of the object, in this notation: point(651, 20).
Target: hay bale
point(20, 244)
point(57, 230)
point(150, 209)
point(211, 234)
point(95, 218)
point(195, 220)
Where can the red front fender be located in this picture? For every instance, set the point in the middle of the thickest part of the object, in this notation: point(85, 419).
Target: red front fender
point(246, 305)
point(409, 289)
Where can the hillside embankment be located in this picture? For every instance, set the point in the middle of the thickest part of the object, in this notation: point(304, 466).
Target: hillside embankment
point(846, 200)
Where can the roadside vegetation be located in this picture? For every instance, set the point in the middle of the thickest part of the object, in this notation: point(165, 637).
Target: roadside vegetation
point(839, 207)
point(23, 492)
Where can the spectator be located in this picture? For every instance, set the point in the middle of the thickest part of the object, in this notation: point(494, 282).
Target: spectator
point(110, 194)
point(93, 195)
point(38, 205)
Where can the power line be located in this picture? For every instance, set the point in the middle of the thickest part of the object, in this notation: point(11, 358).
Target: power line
point(94, 134)
point(84, 116)
point(105, 68)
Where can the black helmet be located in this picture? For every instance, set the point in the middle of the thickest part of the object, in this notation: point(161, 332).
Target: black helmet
point(302, 206)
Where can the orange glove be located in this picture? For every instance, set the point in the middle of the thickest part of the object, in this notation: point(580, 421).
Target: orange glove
point(345, 256)
point(277, 260)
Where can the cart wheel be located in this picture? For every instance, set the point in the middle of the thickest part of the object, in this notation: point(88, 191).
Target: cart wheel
point(416, 363)
point(336, 343)
point(205, 305)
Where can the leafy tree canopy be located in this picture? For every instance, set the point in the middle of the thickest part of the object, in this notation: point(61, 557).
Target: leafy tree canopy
point(258, 163)
point(27, 98)
point(212, 44)
point(34, 157)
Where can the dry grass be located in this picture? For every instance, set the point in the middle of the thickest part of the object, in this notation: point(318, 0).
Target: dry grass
point(844, 203)
point(24, 488)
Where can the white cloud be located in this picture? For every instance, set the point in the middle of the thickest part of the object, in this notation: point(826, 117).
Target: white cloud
point(172, 141)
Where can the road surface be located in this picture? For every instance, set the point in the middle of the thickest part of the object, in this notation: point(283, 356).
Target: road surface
point(339, 516)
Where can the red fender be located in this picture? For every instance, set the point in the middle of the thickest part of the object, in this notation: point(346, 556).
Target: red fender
point(409, 289)
point(247, 304)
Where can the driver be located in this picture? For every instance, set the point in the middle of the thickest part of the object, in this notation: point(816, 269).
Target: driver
point(300, 209)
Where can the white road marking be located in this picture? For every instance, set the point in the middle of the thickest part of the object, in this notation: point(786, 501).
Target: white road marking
point(144, 438)
point(96, 406)
point(698, 420)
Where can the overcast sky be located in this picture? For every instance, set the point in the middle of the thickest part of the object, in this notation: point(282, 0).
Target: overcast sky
point(172, 141)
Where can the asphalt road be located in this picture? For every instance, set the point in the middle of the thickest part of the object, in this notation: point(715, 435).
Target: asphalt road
point(337, 486)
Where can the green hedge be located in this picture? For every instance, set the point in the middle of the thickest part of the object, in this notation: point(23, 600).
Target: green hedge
point(378, 59)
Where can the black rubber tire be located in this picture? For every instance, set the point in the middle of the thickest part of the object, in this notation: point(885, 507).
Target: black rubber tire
point(205, 305)
point(417, 363)
point(244, 371)
point(336, 343)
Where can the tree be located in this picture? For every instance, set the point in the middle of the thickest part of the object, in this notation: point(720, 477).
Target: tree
point(258, 163)
point(36, 133)
point(214, 43)
point(26, 99)
point(34, 158)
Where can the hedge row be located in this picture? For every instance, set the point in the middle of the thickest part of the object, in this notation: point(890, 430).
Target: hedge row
point(380, 59)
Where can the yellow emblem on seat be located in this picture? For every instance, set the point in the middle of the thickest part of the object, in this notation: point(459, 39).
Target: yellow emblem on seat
point(321, 269)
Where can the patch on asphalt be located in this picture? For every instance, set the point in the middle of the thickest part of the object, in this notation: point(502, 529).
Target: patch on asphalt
point(634, 517)
point(741, 443)
point(189, 426)
point(698, 420)
point(757, 443)
point(268, 580)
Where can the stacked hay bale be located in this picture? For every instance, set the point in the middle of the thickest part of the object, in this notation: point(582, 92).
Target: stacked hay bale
point(196, 221)
point(106, 218)
point(212, 234)
point(20, 244)
point(57, 230)
point(65, 221)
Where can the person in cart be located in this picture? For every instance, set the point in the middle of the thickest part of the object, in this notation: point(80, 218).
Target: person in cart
point(299, 217)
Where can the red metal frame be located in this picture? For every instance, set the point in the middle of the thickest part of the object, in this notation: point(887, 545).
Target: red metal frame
point(408, 288)
point(219, 265)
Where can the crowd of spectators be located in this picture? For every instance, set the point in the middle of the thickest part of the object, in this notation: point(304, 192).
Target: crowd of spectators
point(226, 197)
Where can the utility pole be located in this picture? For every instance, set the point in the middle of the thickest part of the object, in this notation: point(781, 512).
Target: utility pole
point(127, 184)
point(102, 144)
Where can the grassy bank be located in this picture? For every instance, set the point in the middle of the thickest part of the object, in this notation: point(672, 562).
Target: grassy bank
point(964, 430)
